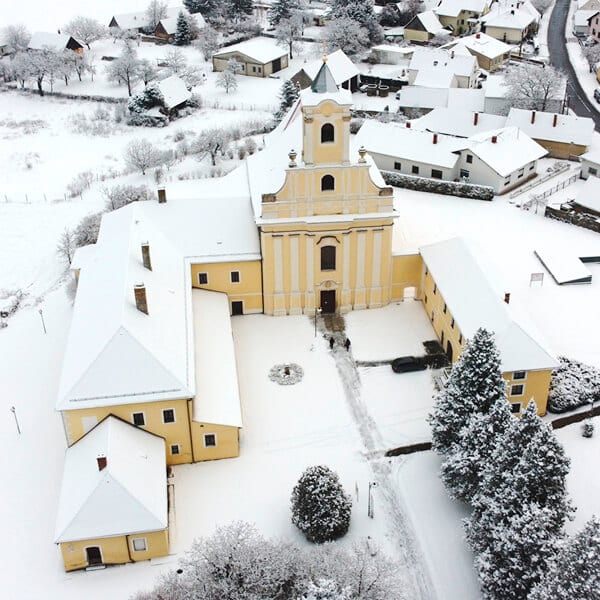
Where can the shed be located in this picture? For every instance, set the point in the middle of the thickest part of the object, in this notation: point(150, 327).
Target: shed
point(55, 41)
point(423, 27)
point(259, 57)
point(174, 91)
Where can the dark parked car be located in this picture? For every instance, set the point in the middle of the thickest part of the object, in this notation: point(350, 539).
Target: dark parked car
point(406, 364)
point(597, 94)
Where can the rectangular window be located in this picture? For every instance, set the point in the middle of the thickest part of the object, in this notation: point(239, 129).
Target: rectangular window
point(415, 170)
point(435, 288)
point(464, 173)
point(168, 415)
point(593, 171)
point(469, 158)
point(519, 375)
point(210, 440)
point(521, 173)
point(452, 323)
point(139, 544)
point(436, 174)
point(531, 167)
point(425, 298)
point(202, 278)
point(517, 390)
point(507, 181)
point(138, 419)
point(174, 449)
point(235, 276)
point(460, 339)
point(445, 308)
point(432, 316)
point(397, 166)
point(515, 407)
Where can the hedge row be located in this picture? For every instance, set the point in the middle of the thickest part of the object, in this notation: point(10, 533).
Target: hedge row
point(438, 186)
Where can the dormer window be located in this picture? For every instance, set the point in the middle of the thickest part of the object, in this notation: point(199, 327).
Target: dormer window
point(327, 133)
point(327, 183)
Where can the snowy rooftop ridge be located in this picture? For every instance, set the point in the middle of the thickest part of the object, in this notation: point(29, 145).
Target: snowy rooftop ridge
point(262, 49)
point(43, 39)
point(440, 59)
point(481, 43)
point(174, 91)
point(339, 65)
point(519, 350)
point(457, 121)
point(129, 495)
point(452, 8)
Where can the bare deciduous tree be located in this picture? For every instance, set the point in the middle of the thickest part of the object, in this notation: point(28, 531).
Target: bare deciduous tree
point(142, 154)
point(289, 32)
point(208, 42)
point(175, 61)
point(533, 87)
point(65, 248)
point(209, 143)
point(17, 37)
point(348, 35)
point(157, 10)
point(86, 30)
point(126, 69)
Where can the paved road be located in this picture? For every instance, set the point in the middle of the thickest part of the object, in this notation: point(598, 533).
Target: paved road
point(559, 57)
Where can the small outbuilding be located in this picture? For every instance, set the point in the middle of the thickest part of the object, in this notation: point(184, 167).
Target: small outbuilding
point(41, 40)
point(590, 164)
point(343, 70)
point(259, 57)
point(174, 91)
point(423, 27)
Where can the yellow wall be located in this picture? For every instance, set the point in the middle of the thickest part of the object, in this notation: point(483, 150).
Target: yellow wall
point(174, 433)
point(536, 385)
point(228, 441)
point(407, 270)
point(561, 149)
point(248, 290)
point(413, 35)
point(115, 550)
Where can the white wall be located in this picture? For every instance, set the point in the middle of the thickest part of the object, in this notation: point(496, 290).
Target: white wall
point(386, 163)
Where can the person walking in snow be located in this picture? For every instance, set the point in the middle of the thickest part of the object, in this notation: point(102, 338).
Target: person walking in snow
point(347, 344)
point(331, 343)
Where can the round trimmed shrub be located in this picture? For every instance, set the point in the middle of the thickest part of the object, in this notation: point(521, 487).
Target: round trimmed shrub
point(320, 507)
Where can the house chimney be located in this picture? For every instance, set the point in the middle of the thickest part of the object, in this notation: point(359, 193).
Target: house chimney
point(146, 256)
point(532, 117)
point(162, 194)
point(141, 303)
point(452, 54)
point(435, 138)
point(101, 460)
point(555, 120)
point(494, 139)
point(407, 124)
point(477, 36)
point(475, 118)
point(507, 297)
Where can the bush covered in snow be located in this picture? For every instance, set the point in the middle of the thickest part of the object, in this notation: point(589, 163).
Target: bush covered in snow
point(587, 429)
point(87, 231)
point(238, 563)
point(121, 195)
point(437, 186)
point(573, 384)
point(320, 507)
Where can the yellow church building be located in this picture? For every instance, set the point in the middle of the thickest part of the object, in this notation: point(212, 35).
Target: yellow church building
point(305, 225)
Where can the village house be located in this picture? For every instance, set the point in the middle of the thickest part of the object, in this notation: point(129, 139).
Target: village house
point(510, 21)
point(174, 92)
point(491, 54)
point(431, 67)
point(457, 122)
point(113, 501)
point(590, 164)
point(581, 22)
point(343, 70)
point(138, 22)
point(422, 28)
point(588, 4)
point(564, 136)
point(462, 16)
point(258, 57)
point(167, 28)
point(424, 99)
point(593, 25)
point(42, 40)
point(149, 370)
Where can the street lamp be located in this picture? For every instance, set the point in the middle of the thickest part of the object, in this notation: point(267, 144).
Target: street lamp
point(318, 311)
point(371, 505)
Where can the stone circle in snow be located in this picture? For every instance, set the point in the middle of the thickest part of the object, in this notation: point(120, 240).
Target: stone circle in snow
point(286, 374)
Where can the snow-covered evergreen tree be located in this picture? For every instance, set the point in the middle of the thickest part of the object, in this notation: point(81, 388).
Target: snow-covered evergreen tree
point(347, 35)
point(237, 10)
point(320, 507)
point(573, 384)
point(474, 386)
point(518, 552)
point(183, 32)
point(462, 469)
point(206, 8)
point(360, 11)
point(288, 94)
point(574, 573)
point(282, 9)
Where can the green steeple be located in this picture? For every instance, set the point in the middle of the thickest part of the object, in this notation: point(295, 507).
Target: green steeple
point(324, 81)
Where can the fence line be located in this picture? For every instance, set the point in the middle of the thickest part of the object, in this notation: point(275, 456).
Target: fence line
point(560, 168)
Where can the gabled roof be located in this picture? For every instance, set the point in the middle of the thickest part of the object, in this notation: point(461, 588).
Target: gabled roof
point(519, 350)
point(396, 140)
point(262, 50)
point(588, 195)
point(174, 91)
point(482, 44)
point(505, 150)
point(139, 19)
point(55, 41)
point(457, 122)
point(442, 60)
point(423, 97)
point(452, 8)
point(339, 65)
point(435, 78)
point(563, 128)
point(509, 18)
point(429, 22)
point(466, 98)
point(582, 17)
point(169, 24)
point(129, 495)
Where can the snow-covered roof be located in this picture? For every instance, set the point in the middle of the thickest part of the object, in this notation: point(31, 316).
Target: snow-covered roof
point(430, 22)
point(422, 97)
point(514, 18)
point(392, 139)
point(589, 194)
point(592, 156)
point(466, 98)
point(482, 44)
point(563, 266)
point(340, 66)
point(138, 19)
point(552, 126)
point(129, 495)
point(260, 49)
point(82, 256)
point(432, 78)
point(174, 91)
point(505, 150)
point(457, 122)
point(581, 17)
point(452, 8)
point(118, 355)
point(402, 50)
point(439, 59)
point(519, 350)
point(495, 87)
point(588, 4)
point(217, 392)
point(169, 24)
point(43, 39)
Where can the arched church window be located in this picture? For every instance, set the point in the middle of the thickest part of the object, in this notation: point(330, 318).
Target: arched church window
point(328, 258)
point(327, 133)
point(327, 183)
